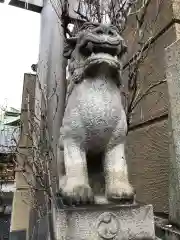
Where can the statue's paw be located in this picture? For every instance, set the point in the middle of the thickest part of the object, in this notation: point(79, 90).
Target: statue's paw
point(77, 194)
point(121, 192)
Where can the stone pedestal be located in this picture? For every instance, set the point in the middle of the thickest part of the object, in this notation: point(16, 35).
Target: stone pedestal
point(98, 222)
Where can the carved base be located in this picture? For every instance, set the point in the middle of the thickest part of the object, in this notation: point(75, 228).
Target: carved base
point(116, 222)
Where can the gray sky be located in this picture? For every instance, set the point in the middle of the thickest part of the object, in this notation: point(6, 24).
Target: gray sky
point(19, 49)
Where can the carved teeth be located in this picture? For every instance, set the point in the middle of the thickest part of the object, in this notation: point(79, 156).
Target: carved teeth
point(92, 54)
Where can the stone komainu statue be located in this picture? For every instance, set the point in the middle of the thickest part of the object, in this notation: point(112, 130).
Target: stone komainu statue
point(94, 119)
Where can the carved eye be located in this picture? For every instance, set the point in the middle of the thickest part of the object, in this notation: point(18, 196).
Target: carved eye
point(110, 33)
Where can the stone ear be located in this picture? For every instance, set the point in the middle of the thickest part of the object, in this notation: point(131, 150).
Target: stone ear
point(69, 47)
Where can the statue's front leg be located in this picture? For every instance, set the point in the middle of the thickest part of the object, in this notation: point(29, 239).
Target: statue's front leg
point(76, 187)
point(116, 175)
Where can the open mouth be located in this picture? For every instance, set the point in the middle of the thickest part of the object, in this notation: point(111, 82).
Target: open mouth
point(105, 48)
point(95, 47)
point(101, 53)
point(101, 57)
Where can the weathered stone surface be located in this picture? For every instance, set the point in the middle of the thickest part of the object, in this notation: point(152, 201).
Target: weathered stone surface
point(94, 120)
point(173, 80)
point(176, 8)
point(106, 222)
point(27, 110)
point(22, 200)
point(24, 175)
point(147, 152)
point(158, 16)
point(152, 71)
point(21, 208)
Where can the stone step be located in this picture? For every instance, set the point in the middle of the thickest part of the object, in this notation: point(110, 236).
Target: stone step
point(99, 222)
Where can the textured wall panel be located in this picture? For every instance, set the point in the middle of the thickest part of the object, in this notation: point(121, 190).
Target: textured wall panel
point(148, 159)
point(158, 15)
point(151, 71)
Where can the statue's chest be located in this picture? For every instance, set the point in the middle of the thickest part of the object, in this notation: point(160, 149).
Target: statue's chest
point(99, 103)
point(93, 112)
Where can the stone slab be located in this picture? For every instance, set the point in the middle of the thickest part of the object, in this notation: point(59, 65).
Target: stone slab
point(147, 153)
point(173, 76)
point(117, 222)
point(151, 72)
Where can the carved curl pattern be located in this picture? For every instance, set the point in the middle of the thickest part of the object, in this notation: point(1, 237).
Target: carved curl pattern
point(107, 226)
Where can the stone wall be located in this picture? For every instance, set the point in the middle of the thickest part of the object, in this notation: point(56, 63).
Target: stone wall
point(148, 143)
point(22, 200)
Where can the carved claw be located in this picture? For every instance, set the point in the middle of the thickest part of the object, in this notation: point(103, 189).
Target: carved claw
point(77, 194)
point(121, 192)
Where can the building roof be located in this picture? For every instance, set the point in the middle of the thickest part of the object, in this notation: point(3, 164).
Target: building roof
point(9, 130)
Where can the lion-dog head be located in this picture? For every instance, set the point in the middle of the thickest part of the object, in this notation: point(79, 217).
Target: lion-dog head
point(94, 46)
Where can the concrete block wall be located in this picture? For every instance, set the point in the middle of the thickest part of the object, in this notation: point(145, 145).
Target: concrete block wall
point(147, 147)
